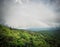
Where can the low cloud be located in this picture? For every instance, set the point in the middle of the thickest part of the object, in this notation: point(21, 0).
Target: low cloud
point(28, 13)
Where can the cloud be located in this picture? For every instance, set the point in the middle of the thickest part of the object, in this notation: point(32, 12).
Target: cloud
point(26, 13)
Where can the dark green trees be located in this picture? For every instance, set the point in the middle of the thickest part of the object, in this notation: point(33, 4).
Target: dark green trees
point(23, 38)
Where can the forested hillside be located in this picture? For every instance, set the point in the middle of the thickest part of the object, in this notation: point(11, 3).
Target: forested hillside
point(24, 38)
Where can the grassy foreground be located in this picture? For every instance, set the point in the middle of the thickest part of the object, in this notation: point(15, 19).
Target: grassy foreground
point(23, 38)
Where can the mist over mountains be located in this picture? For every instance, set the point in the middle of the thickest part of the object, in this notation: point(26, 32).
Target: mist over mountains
point(30, 13)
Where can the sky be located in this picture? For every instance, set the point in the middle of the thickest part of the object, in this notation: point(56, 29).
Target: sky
point(23, 14)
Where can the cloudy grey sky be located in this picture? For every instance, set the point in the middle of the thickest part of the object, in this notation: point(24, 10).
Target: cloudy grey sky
point(30, 13)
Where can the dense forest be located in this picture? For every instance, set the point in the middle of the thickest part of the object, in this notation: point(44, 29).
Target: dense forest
point(25, 38)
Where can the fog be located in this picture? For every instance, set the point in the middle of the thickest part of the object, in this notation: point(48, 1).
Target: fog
point(22, 14)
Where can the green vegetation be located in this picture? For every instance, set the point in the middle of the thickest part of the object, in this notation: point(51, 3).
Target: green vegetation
point(23, 38)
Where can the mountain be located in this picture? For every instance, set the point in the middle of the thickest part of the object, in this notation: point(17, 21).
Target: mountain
point(26, 38)
point(41, 28)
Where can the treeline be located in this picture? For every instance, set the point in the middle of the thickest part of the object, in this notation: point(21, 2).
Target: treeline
point(23, 38)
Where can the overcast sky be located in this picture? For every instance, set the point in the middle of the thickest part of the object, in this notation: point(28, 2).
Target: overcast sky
point(30, 13)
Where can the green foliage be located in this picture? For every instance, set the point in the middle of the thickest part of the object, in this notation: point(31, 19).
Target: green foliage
point(23, 38)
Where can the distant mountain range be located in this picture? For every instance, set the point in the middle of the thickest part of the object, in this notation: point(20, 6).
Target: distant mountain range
point(38, 29)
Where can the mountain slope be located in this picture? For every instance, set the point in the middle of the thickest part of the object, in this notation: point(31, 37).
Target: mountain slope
point(23, 38)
